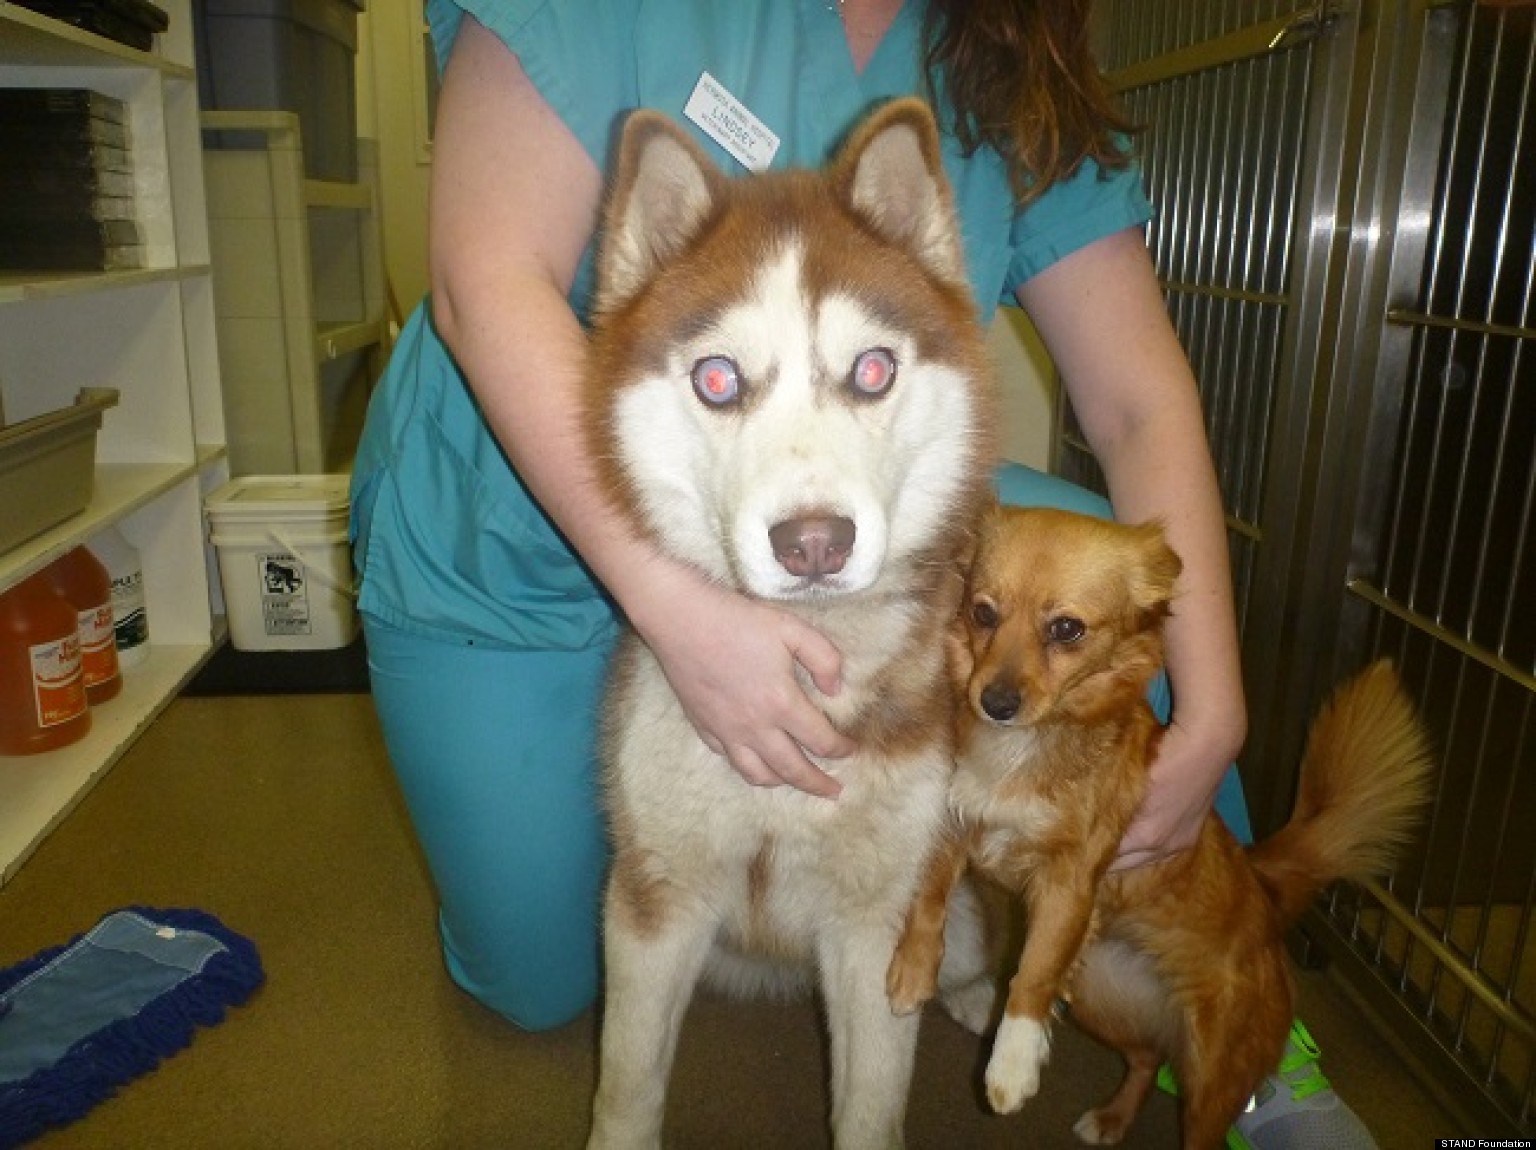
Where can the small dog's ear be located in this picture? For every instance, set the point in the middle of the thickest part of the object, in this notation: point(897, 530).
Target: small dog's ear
point(891, 175)
point(1155, 572)
point(970, 542)
point(991, 524)
point(664, 192)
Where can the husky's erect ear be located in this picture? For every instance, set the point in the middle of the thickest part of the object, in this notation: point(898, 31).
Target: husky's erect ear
point(891, 174)
point(664, 190)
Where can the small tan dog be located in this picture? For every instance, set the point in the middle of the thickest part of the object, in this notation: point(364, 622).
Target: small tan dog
point(1182, 960)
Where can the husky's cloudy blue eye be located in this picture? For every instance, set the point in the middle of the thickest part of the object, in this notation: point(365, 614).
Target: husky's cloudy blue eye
point(716, 380)
point(874, 371)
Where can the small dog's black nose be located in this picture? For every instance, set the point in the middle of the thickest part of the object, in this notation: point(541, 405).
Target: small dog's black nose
point(1000, 701)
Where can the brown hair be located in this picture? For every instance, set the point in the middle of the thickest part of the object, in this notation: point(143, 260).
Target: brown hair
point(1020, 78)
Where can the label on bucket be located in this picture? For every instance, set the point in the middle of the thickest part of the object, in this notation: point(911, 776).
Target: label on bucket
point(284, 594)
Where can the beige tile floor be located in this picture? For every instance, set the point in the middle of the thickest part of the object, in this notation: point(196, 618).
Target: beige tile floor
point(279, 815)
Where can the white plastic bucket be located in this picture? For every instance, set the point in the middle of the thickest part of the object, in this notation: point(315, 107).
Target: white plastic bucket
point(284, 561)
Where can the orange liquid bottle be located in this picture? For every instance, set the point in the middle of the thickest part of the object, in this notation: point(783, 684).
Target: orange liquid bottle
point(82, 579)
point(42, 685)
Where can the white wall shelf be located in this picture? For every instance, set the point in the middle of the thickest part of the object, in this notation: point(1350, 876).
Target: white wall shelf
point(150, 334)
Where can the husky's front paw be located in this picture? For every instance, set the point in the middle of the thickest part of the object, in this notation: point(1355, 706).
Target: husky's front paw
point(1013, 1072)
point(911, 980)
point(973, 1005)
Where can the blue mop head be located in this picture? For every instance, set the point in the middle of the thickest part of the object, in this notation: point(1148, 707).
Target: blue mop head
point(79, 1020)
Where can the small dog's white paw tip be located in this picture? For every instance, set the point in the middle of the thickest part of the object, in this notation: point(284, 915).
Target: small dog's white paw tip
point(1013, 1072)
point(1087, 1130)
point(1006, 1098)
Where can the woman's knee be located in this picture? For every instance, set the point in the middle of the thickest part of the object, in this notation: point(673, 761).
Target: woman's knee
point(536, 978)
point(538, 1009)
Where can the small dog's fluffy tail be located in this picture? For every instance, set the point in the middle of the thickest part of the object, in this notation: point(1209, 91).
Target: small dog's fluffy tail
point(1364, 777)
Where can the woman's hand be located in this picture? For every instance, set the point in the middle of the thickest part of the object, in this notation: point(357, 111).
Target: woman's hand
point(1184, 779)
point(731, 662)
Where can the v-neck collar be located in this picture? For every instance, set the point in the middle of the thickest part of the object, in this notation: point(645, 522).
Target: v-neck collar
point(892, 31)
point(899, 37)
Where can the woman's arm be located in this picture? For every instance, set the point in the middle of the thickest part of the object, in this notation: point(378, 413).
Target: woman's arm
point(514, 202)
point(1101, 314)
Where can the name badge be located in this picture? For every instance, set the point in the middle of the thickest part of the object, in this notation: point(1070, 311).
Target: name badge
point(726, 120)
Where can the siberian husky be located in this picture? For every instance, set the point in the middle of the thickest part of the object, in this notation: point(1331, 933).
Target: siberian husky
point(789, 389)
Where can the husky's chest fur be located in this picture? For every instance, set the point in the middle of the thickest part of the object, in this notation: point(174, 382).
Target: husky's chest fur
point(775, 864)
point(779, 859)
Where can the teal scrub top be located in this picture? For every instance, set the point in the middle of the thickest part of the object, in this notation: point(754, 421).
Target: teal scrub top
point(448, 542)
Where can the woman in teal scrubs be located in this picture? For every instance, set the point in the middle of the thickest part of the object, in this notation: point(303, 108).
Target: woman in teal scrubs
point(491, 568)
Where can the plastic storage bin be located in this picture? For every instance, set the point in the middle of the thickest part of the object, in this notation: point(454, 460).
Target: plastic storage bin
point(285, 563)
point(48, 466)
point(289, 56)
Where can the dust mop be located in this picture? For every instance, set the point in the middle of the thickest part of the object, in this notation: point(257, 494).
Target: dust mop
point(80, 1020)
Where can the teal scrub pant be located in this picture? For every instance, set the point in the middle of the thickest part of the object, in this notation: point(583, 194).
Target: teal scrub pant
point(495, 751)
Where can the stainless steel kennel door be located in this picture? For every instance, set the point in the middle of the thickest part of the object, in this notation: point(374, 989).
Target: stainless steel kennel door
point(1346, 234)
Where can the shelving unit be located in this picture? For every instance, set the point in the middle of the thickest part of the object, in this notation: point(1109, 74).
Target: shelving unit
point(299, 288)
point(149, 333)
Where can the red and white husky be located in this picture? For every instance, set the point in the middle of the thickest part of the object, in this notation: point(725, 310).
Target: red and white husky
point(789, 389)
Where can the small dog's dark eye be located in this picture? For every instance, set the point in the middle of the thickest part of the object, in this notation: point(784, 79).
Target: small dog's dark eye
point(1065, 629)
point(984, 615)
point(716, 381)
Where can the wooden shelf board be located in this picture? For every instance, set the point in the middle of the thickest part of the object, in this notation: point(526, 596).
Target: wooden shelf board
point(121, 488)
point(21, 287)
point(30, 39)
point(330, 194)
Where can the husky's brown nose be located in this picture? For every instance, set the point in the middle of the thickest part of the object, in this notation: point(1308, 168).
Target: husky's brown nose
point(812, 545)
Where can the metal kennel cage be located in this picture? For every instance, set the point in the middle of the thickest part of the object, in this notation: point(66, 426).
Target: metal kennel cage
point(1346, 234)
